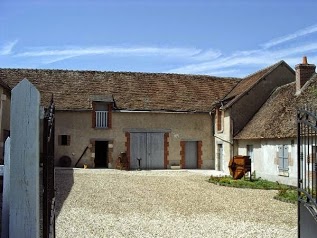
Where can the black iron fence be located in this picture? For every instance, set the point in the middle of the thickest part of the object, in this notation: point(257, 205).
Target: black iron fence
point(49, 172)
point(307, 171)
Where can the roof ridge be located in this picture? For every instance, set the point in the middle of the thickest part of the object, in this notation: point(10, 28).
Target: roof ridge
point(125, 72)
point(164, 92)
point(263, 69)
point(270, 68)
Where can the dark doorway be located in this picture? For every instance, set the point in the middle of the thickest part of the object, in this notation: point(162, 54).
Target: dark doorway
point(101, 154)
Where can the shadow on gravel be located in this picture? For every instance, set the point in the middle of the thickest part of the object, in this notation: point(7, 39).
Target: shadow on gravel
point(64, 180)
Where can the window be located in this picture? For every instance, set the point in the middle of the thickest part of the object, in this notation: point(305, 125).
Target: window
point(219, 119)
point(64, 140)
point(283, 158)
point(250, 151)
point(101, 115)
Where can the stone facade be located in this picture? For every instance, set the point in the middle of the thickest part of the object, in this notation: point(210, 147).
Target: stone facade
point(180, 127)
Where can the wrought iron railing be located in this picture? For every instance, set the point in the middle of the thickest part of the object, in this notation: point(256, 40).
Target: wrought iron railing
point(49, 172)
point(307, 168)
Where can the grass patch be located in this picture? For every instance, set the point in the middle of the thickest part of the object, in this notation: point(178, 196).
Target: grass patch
point(257, 183)
point(285, 193)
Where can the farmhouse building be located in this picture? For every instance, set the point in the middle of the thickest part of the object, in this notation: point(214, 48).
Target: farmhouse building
point(272, 132)
point(160, 120)
point(237, 108)
point(157, 119)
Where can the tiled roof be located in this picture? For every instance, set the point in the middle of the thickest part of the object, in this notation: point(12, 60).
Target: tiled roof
point(4, 85)
point(248, 82)
point(277, 117)
point(131, 91)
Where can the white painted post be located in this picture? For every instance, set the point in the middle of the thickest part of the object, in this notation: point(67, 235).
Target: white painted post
point(6, 190)
point(24, 174)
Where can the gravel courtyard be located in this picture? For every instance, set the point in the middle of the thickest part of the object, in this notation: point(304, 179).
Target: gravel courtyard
point(113, 203)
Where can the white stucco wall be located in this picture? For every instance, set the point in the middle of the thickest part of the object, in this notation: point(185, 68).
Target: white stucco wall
point(265, 162)
point(223, 138)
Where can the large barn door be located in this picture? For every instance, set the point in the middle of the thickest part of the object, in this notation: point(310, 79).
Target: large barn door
point(149, 147)
point(138, 150)
point(155, 145)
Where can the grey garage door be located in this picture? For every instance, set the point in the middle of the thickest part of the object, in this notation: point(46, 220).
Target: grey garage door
point(191, 155)
point(150, 148)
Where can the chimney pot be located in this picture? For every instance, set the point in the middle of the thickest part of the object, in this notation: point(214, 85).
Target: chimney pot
point(304, 72)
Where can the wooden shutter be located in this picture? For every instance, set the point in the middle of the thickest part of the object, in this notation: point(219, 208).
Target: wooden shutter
point(285, 157)
point(219, 119)
point(280, 157)
point(68, 139)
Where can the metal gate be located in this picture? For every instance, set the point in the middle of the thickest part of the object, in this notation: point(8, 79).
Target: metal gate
point(149, 148)
point(49, 172)
point(307, 168)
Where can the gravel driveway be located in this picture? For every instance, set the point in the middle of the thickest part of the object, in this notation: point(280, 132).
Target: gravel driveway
point(113, 203)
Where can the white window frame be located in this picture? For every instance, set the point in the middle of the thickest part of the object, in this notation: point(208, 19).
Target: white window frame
point(101, 119)
point(250, 151)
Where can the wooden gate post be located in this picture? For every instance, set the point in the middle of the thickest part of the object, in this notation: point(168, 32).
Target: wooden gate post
point(6, 190)
point(24, 174)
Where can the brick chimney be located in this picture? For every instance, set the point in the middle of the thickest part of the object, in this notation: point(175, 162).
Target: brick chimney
point(304, 71)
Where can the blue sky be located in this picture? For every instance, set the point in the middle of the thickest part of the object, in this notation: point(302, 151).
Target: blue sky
point(221, 38)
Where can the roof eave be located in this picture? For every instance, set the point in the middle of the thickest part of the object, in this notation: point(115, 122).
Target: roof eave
point(237, 97)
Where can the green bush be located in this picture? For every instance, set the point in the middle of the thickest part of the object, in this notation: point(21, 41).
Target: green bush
point(285, 193)
point(245, 183)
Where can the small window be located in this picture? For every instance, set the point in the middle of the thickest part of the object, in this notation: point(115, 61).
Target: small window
point(64, 140)
point(250, 151)
point(283, 158)
point(101, 115)
point(219, 120)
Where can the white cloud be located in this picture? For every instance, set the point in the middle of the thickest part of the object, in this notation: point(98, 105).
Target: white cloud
point(7, 48)
point(258, 57)
point(49, 55)
point(110, 50)
point(207, 55)
point(191, 60)
point(280, 40)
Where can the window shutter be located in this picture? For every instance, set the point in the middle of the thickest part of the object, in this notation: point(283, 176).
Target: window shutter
point(219, 119)
point(280, 157)
point(68, 140)
point(285, 157)
point(93, 122)
point(59, 139)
